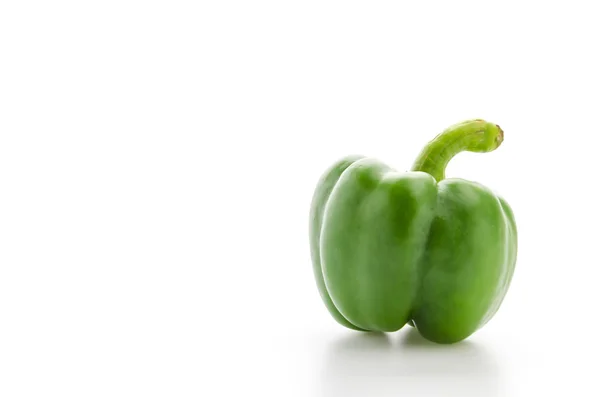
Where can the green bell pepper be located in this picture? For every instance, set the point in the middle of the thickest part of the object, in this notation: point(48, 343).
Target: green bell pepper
point(391, 248)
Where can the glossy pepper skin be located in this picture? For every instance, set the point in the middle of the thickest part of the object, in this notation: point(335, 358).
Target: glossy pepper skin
point(390, 248)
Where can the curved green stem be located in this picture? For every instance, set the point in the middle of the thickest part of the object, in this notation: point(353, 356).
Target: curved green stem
point(471, 135)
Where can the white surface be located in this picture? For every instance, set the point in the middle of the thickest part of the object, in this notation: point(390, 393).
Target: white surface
point(157, 161)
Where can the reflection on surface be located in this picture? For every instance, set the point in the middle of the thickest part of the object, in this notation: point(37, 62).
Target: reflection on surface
point(405, 364)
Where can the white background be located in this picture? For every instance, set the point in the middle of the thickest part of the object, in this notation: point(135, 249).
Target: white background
point(157, 161)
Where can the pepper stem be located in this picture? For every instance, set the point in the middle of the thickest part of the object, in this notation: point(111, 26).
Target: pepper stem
point(472, 135)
